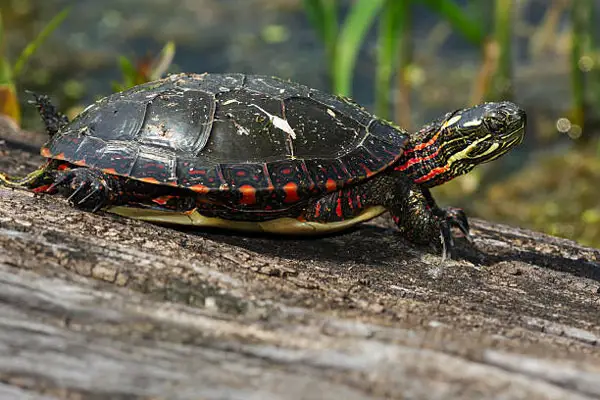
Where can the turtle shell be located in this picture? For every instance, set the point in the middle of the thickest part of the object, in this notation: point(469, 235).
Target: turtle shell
point(261, 141)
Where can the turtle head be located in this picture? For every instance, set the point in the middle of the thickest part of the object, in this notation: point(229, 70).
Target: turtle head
point(455, 143)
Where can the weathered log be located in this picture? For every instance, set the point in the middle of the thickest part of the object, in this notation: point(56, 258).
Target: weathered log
point(99, 306)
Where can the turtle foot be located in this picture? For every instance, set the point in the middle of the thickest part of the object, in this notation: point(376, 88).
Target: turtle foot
point(452, 218)
point(84, 188)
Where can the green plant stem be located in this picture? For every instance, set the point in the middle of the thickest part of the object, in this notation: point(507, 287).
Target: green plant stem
point(503, 22)
point(323, 15)
point(470, 28)
point(394, 44)
point(37, 42)
point(351, 36)
point(581, 46)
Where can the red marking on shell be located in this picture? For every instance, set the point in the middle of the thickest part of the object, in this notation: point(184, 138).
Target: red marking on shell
point(200, 188)
point(421, 146)
point(248, 194)
point(318, 209)
point(330, 185)
point(162, 200)
point(63, 167)
point(286, 171)
point(240, 173)
point(416, 160)
point(358, 202)
point(110, 171)
point(41, 189)
point(433, 173)
point(291, 192)
point(193, 171)
point(45, 152)
point(149, 180)
point(338, 207)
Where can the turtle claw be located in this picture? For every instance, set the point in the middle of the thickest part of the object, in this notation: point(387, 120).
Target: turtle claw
point(84, 188)
point(447, 240)
point(456, 217)
point(73, 195)
point(452, 217)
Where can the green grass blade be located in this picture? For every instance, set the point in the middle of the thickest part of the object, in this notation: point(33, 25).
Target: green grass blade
point(351, 36)
point(1, 35)
point(469, 27)
point(503, 36)
point(163, 62)
point(315, 12)
point(323, 15)
point(392, 37)
point(31, 48)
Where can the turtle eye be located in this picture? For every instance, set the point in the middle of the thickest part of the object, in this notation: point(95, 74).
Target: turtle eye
point(494, 124)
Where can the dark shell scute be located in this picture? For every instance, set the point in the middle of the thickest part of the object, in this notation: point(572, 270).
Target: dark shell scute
point(386, 132)
point(361, 164)
point(324, 172)
point(275, 87)
point(242, 126)
point(118, 156)
point(210, 83)
point(179, 120)
point(381, 150)
point(114, 120)
point(154, 165)
point(342, 106)
point(291, 180)
point(255, 175)
point(194, 172)
point(320, 131)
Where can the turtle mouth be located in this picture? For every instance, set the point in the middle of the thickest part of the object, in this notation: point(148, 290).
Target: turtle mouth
point(515, 130)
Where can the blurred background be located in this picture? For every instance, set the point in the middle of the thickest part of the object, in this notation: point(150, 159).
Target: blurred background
point(405, 60)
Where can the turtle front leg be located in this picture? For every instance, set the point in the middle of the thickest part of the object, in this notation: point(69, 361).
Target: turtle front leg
point(412, 208)
point(420, 222)
point(456, 217)
point(85, 188)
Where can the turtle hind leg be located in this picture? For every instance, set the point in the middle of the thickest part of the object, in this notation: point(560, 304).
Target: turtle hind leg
point(85, 188)
point(52, 118)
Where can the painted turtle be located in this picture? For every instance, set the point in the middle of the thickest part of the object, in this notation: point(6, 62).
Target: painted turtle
point(256, 153)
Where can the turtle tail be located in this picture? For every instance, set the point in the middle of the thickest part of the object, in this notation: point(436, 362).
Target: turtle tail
point(33, 180)
point(52, 118)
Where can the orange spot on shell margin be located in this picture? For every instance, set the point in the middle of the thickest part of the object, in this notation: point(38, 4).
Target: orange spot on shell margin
point(45, 152)
point(291, 192)
point(248, 194)
point(200, 189)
